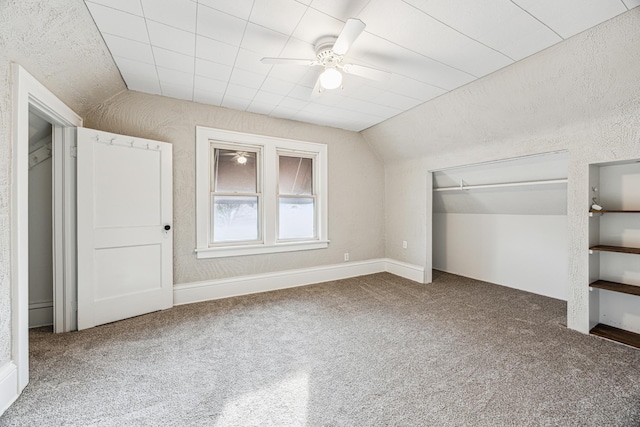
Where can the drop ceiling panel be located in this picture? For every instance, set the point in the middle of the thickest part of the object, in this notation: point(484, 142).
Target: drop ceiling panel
point(212, 70)
point(279, 15)
point(118, 23)
point(569, 17)
point(220, 26)
point(176, 13)
point(340, 9)
point(129, 49)
point(173, 60)
point(133, 7)
point(505, 27)
point(264, 41)
point(210, 51)
point(238, 8)
point(171, 38)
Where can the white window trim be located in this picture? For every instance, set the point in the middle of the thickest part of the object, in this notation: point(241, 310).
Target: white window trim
point(270, 147)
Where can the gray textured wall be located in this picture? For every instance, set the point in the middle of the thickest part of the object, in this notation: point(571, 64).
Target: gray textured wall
point(57, 42)
point(582, 95)
point(356, 181)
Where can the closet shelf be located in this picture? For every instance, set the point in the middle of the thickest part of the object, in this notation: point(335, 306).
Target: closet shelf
point(616, 334)
point(616, 287)
point(592, 211)
point(621, 249)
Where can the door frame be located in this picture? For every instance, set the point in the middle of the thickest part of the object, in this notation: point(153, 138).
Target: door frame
point(29, 93)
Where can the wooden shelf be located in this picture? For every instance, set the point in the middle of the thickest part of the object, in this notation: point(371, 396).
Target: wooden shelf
point(616, 287)
point(611, 211)
point(616, 334)
point(620, 249)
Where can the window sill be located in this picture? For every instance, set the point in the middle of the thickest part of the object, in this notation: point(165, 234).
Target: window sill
point(242, 250)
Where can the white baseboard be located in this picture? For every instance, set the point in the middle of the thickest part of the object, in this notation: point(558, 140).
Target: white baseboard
point(8, 385)
point(243, 285)
point(40, 314)
point(402, 269)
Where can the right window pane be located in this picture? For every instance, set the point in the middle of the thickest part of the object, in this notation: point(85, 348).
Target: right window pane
point(296, 198)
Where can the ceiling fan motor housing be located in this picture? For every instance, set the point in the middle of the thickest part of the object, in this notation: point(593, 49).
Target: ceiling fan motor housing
point(325, 54)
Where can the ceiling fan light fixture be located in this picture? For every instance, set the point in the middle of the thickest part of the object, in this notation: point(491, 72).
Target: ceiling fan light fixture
point(330, 78)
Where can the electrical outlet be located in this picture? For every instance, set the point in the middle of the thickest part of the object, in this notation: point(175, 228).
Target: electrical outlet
point(346, 256)
point(404, 244)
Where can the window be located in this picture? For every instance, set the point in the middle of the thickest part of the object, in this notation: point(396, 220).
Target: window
point(258, 194)
point(235, 195)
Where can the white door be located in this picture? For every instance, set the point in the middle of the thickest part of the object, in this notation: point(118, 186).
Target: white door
point(125, 243)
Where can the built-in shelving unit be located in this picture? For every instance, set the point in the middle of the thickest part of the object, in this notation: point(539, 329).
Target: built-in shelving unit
point(614, 244)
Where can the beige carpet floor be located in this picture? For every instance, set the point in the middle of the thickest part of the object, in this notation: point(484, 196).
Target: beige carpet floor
point(375, 350)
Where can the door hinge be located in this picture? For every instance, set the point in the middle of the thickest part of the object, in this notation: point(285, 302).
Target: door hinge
point(74, 152)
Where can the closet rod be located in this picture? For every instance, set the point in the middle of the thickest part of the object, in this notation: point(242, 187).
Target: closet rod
point(503, 184)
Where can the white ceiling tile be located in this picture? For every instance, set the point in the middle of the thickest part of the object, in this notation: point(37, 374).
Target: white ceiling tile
point(396, 101)
point(176, 13)
point(293, 103)
point(212, 70)
point(205, 85)
point(377, 52)
point(129, 6)
point(238, 91)
point(250, 61)
point(277, 86)
point(315, 25)
point(173, 60)
point(300, 92)
point(268, 98)
point(264, 41)
point(171, 38)
point(569, 17)
point(410, 87)
point(112, 21)
point(129, 67)
point(246, 78)
point(238, 8)
point(211, 98)
point(631, 3)
point(342, 10)
point(129, 49)
point(435, 40)
point(279, 15)
point(143, 84)
point(220, 26)
point(216, 51)
point(235, 103)
point(177, 91)
point(260, 108)
point(175, 77)
point(298, 49)
point(501, 25)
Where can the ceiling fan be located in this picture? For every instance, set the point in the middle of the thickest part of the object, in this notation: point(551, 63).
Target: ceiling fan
point(330, 52)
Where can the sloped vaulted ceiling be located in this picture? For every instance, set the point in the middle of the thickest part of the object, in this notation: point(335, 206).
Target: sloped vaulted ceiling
point(58, 43)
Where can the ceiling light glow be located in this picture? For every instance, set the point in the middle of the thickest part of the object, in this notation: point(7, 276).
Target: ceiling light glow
point(330, 79)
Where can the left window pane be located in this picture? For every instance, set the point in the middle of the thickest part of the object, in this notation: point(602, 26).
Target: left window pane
point(235, 196)
point(235, 219)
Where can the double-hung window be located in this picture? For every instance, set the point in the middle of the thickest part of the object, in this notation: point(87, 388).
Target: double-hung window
point(258, 194)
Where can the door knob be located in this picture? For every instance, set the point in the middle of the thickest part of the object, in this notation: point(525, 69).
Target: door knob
point(167, 227)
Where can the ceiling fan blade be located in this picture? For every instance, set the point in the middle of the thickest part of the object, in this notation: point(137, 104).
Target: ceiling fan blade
point(366, 72)
point(349, 34)
point(317, 89)
point(289, 61)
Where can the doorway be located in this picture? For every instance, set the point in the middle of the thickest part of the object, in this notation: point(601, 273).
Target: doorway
point(40, 222)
